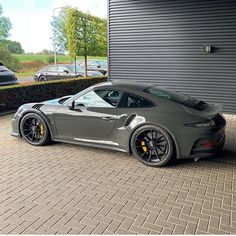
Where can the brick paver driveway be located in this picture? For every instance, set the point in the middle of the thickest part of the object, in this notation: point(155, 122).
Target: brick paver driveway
point(72, 189)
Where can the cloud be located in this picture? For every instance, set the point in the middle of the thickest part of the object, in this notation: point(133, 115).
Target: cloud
point(31, 23)
point(33, 31)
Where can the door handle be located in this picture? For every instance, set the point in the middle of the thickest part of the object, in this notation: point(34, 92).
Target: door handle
point(107, 118)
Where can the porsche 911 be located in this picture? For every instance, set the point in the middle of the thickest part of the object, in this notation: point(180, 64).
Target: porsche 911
point(150, 122)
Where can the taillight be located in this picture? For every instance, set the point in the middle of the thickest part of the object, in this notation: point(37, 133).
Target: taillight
point(204, 124)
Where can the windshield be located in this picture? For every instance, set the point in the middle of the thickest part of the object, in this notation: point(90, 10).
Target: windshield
point(177, 97)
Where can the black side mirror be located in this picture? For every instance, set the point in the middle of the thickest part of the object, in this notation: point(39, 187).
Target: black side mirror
point(66, 71)
point(71, 105)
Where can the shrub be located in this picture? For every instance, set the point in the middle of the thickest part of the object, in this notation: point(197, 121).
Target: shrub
point(8, 60)
point(12, 97)
point(34, 65)
point(50, 59)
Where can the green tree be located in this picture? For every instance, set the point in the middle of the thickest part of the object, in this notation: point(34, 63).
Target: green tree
point(8, 60)
point(5, 25)
point(46, 52)
point(59, 31)
point(86, 35)
point(13, 46)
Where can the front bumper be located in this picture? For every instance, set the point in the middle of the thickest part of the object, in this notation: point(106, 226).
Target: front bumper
point(15, 82)
point(36, 78)
point(15, 126)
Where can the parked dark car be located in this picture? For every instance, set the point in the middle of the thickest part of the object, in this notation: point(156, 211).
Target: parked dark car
point(57, 72)
point(155, 124)
point(95, 65)
point(7, 77)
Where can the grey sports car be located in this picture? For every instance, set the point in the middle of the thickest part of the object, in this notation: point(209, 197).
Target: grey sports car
point(153, 123)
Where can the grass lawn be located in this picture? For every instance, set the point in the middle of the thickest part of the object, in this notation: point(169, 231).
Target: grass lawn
point(44, 58)
point(28, 71)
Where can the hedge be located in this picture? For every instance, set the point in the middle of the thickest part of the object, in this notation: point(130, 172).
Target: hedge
point(12, 97)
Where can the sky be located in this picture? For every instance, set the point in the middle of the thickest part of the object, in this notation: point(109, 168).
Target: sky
point(31, 19)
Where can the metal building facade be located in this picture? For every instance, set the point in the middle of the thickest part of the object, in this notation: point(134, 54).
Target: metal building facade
point(185, 45)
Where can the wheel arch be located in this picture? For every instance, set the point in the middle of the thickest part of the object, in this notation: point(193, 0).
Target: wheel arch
point(42, 75)
point(158, 125)
point(39, 113)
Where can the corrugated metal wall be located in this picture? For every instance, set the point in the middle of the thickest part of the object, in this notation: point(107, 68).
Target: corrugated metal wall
point(162, 41)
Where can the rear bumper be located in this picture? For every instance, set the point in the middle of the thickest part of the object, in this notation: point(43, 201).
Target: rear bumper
point(208, 146)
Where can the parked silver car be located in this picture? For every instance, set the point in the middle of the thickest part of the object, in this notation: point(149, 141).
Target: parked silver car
point(62, 71)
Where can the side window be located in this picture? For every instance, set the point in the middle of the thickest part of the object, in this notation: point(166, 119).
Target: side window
point(99, 98)
point(135, 101)
point(62, 69)
point(52, 68)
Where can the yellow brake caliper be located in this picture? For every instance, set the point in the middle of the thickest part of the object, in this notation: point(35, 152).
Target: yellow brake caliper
point(144, 147)
point(41, 127)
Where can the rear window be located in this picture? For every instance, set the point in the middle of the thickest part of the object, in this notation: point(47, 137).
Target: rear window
point(177, 97)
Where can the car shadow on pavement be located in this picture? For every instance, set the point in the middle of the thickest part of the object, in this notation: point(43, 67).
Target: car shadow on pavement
point(223, 157)
point(226, 156)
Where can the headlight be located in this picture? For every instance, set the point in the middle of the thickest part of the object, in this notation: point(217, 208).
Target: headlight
point(204, 124)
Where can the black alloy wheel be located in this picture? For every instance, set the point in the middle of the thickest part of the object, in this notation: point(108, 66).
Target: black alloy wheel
point(34, 130)
point(43, 79)
point(152, 145)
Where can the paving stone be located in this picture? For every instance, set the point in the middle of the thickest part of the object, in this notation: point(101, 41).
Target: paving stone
point(69, 189)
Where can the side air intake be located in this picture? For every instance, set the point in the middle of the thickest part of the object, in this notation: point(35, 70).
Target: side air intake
point(129, 120)
point(37, 106)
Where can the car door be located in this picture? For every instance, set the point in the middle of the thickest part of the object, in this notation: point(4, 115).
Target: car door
point(64, 73)
point(92, 118)
point(51, 73)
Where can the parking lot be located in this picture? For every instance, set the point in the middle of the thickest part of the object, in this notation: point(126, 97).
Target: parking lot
point(26, 80)
point(69, 189)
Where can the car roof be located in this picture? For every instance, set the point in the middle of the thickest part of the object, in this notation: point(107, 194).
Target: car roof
point(126, 85)
point(65, 65)
point(62, 65)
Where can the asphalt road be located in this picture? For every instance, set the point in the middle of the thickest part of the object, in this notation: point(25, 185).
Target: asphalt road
point(24, 80)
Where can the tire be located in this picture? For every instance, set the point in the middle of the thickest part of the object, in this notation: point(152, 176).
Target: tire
point(34, 130)
point(43, 78)
point(152, 145)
